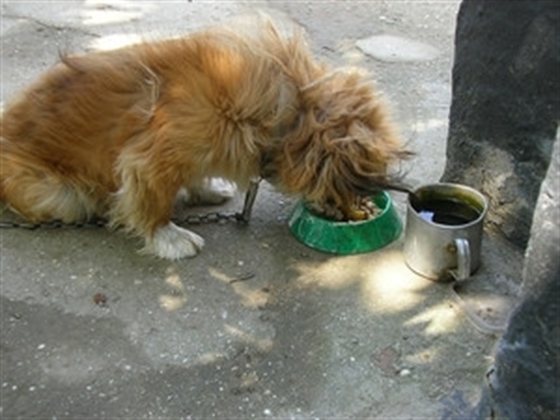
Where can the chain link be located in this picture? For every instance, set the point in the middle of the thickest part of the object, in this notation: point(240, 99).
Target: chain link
point(53, 224)
point(207, 218)
point(192, 219)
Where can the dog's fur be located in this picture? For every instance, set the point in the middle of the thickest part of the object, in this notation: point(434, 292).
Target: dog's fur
point(117, 134)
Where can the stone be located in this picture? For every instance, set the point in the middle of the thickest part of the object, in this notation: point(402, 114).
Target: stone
point(390, 48)
point(505, 106)
point(523, 383)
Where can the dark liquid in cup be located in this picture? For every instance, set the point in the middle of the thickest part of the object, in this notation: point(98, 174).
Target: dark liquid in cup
point(446, 211)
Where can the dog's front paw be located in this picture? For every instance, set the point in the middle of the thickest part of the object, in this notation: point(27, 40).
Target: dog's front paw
point(172, 242)
point(213, 191)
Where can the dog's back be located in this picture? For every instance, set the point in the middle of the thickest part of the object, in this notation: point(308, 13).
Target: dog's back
point(63, 133)
point(213, 98)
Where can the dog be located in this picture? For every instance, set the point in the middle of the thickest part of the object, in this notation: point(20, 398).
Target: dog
point(116, 134)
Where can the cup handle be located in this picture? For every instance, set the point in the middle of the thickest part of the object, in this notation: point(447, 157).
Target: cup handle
point(463, 270)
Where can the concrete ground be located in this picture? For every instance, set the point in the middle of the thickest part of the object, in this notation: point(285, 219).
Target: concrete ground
point(258, 325)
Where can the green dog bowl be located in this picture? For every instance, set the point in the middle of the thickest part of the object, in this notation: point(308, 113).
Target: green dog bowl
point(347, 237)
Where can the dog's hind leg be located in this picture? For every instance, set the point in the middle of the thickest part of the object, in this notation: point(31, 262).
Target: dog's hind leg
point(39, 196)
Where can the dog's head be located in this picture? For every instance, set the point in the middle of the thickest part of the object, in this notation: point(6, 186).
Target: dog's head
point(342, 146)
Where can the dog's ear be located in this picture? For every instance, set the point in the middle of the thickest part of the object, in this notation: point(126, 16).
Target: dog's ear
point(366, 158)
point(344, 144)
point(313, 165)
point(339, 163)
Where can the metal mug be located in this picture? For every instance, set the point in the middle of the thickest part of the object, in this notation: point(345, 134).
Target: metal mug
point(445, 248)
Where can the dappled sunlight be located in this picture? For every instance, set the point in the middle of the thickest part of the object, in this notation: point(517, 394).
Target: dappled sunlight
point(264, 344)
point(217, 274)
point(441, 318)
point(390, 286)
point(430, 124)
point(211, 357)
point(423, 356)
point(115, 41)
point(171, 303)
point(103, 12)
point(252, 297)
point(335, 273)
point(386, 286)
point(249, 339)
point(177, 298)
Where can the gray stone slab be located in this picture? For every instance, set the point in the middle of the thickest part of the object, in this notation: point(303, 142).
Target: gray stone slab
point(392, 48)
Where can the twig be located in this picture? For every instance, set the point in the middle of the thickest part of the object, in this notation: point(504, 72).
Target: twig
point(243, 277)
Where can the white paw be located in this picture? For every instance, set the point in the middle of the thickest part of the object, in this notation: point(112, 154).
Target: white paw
point(172, 243)
point(212, 191)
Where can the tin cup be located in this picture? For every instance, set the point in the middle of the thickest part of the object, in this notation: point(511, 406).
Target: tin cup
point(443, 234)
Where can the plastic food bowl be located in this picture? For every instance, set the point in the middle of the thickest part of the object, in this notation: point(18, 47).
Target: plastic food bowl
point(347, 237)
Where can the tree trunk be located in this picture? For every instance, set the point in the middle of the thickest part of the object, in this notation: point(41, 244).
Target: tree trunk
point(505, 105)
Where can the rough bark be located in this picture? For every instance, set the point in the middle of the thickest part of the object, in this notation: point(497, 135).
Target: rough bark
point(505, 105)
point(524, 382)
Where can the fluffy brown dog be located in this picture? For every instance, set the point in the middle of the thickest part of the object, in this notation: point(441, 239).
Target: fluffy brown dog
point(117, 134)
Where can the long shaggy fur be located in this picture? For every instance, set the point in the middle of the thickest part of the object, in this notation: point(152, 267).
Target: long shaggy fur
point(117, 134)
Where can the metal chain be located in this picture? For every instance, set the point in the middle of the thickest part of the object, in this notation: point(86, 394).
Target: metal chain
point(192, 219)
point(207, 218)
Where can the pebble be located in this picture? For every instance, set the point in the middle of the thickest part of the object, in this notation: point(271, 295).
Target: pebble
point(404, 372)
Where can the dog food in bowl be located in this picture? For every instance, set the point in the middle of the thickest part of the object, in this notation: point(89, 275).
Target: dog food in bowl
point(363, 209)
point(321, 232)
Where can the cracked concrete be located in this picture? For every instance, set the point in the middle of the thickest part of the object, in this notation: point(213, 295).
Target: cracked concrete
point(258, 325)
